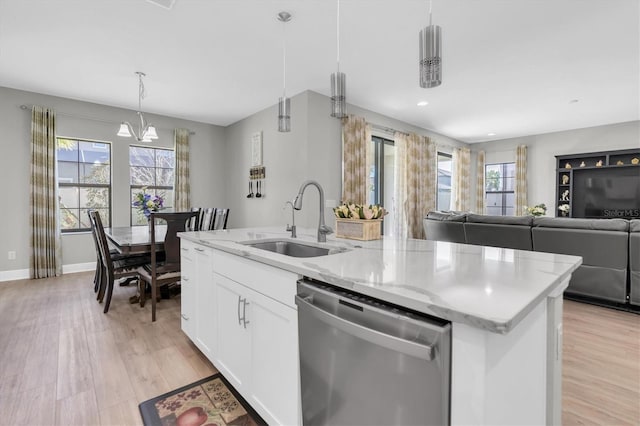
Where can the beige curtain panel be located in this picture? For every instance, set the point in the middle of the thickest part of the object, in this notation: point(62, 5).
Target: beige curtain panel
point(356, 148)
point(521, 180)
point(415, 183)
point(182, 187)
point(45, 256)
point(460, 191)
point(480, 195)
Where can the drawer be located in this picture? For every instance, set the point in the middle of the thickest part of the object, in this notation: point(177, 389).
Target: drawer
point(270, 281)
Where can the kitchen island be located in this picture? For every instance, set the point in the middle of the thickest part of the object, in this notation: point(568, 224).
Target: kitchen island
point(505, 309)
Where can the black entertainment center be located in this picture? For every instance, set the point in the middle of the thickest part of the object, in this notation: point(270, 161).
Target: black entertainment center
point(599, 184)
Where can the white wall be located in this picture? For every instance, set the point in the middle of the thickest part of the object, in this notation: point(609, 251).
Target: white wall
point(542, 149)
point(312, 150)
point(207, 169)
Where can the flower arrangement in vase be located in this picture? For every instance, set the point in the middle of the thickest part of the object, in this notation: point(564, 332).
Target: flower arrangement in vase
point(359, 222)
point(564, 209)
point(357, 211)
point(537, 210)
point(147, 203)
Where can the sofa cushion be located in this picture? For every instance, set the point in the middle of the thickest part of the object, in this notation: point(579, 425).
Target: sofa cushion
point(444, 230)
point(634, 261)
point(502, 220)
point(634, 225)
point(593, 224)
point(498, 235)
point(447, 216)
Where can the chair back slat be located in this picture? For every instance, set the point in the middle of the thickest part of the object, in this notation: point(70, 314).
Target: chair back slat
point(221, 217)
point(193, 224)
point(208, 219)
point(101, 241)
point(176, 222)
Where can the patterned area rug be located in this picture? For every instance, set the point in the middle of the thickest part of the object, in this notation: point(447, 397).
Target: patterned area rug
point(208, 402)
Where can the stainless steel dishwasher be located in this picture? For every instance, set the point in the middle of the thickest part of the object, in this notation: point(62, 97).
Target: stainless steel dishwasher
point(365, 362)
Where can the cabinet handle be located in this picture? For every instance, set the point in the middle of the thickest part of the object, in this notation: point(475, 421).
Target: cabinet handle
point(244, 313)
point(239, 319)
point(184, 278)
point(199, 249)
point(184, 249)
point(184, 317)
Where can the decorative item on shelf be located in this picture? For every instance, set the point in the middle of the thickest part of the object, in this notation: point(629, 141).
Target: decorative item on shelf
point(567, 166)
point(565, 179)
point(358, 222)
point(635, 161)
point(565, 196)
point(599, 163)
point(564, 209)
point(146, 132)
point(583, 164)
point(537, 210)
point(256, 173)
point(620, 163)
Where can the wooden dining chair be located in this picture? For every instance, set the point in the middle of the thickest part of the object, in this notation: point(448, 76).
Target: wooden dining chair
point(208, 219)
point(194, 224)
point(158, 273)
point(113, 266)
point(220, 220)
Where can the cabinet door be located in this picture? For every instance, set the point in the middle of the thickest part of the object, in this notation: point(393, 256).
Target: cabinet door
point(205, 318)
point(188, 296)
point(234, 340)
point(274, 359)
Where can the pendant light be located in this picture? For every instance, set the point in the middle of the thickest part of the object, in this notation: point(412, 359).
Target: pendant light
point(338, 79)
point(284, 103)
point(430, 54)
point(146, 132)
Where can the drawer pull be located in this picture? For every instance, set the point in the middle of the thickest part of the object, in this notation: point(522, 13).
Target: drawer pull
point(184, 317)
point(199, 249)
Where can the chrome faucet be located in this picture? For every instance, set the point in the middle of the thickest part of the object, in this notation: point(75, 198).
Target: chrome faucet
point(291, 228)
point(323, 229)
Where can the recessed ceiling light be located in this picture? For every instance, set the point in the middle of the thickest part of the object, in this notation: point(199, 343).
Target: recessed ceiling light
point(423, 103)
point(491, 134)
point(573, 101)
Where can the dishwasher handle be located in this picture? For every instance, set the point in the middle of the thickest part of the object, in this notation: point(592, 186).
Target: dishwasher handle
point(426, 352)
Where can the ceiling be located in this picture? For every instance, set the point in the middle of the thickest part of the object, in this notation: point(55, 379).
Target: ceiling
point(509, 67)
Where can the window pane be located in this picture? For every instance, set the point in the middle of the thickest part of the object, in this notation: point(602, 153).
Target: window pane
point(510, 169)
point(67, 172)
point(94, 152)
point(104, 216)
point(493, 177)
point(167, 196)
point(95, 173)
point(142, 176)
point(94, 198)
point(69, 218)
point(165, 158)
point(137, 217)
point(67, 150)
point(139, 156)
point(68, 197)
point(444, 182)
point(164, 177)
point(509, 183)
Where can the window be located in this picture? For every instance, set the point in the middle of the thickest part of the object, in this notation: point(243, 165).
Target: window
point(84, 182)
point(152, 168)
point(444, 181)
point(499, 188)
point(381, 178)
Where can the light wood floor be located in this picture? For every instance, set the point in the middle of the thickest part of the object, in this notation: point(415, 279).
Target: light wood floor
point(64, 362)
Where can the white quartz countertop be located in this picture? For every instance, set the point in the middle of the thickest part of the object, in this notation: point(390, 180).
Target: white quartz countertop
point(486, 287)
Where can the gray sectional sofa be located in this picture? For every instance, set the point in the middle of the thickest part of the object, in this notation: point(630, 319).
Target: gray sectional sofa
point(610, 248)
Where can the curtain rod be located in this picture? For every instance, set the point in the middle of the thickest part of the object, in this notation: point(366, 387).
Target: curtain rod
point(392, 131)
point(86, 117)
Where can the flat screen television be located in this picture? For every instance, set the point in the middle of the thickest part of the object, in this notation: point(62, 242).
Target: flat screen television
point(606, 193)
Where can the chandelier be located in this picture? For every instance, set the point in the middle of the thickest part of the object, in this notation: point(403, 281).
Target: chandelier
point(146, 132)
point(430, 55)
point(338, 80)
point(284, 103)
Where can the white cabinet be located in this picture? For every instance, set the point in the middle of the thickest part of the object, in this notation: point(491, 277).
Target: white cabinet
point(197, 296)
point(188, 295)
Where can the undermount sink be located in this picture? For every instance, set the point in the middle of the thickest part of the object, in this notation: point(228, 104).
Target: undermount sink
point(294, 249)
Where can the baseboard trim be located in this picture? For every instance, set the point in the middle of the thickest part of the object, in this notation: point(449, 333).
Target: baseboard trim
point(23, 274)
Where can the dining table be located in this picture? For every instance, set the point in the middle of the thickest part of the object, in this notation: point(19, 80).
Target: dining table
point(135, 239)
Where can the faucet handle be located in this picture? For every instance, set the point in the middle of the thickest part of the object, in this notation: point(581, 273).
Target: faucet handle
point(325, 229)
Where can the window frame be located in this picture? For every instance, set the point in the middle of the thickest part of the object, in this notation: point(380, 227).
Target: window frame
point(79, 185)
point(503, 178)
point(378, 167)
point(150, 188)
point(450, 157)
